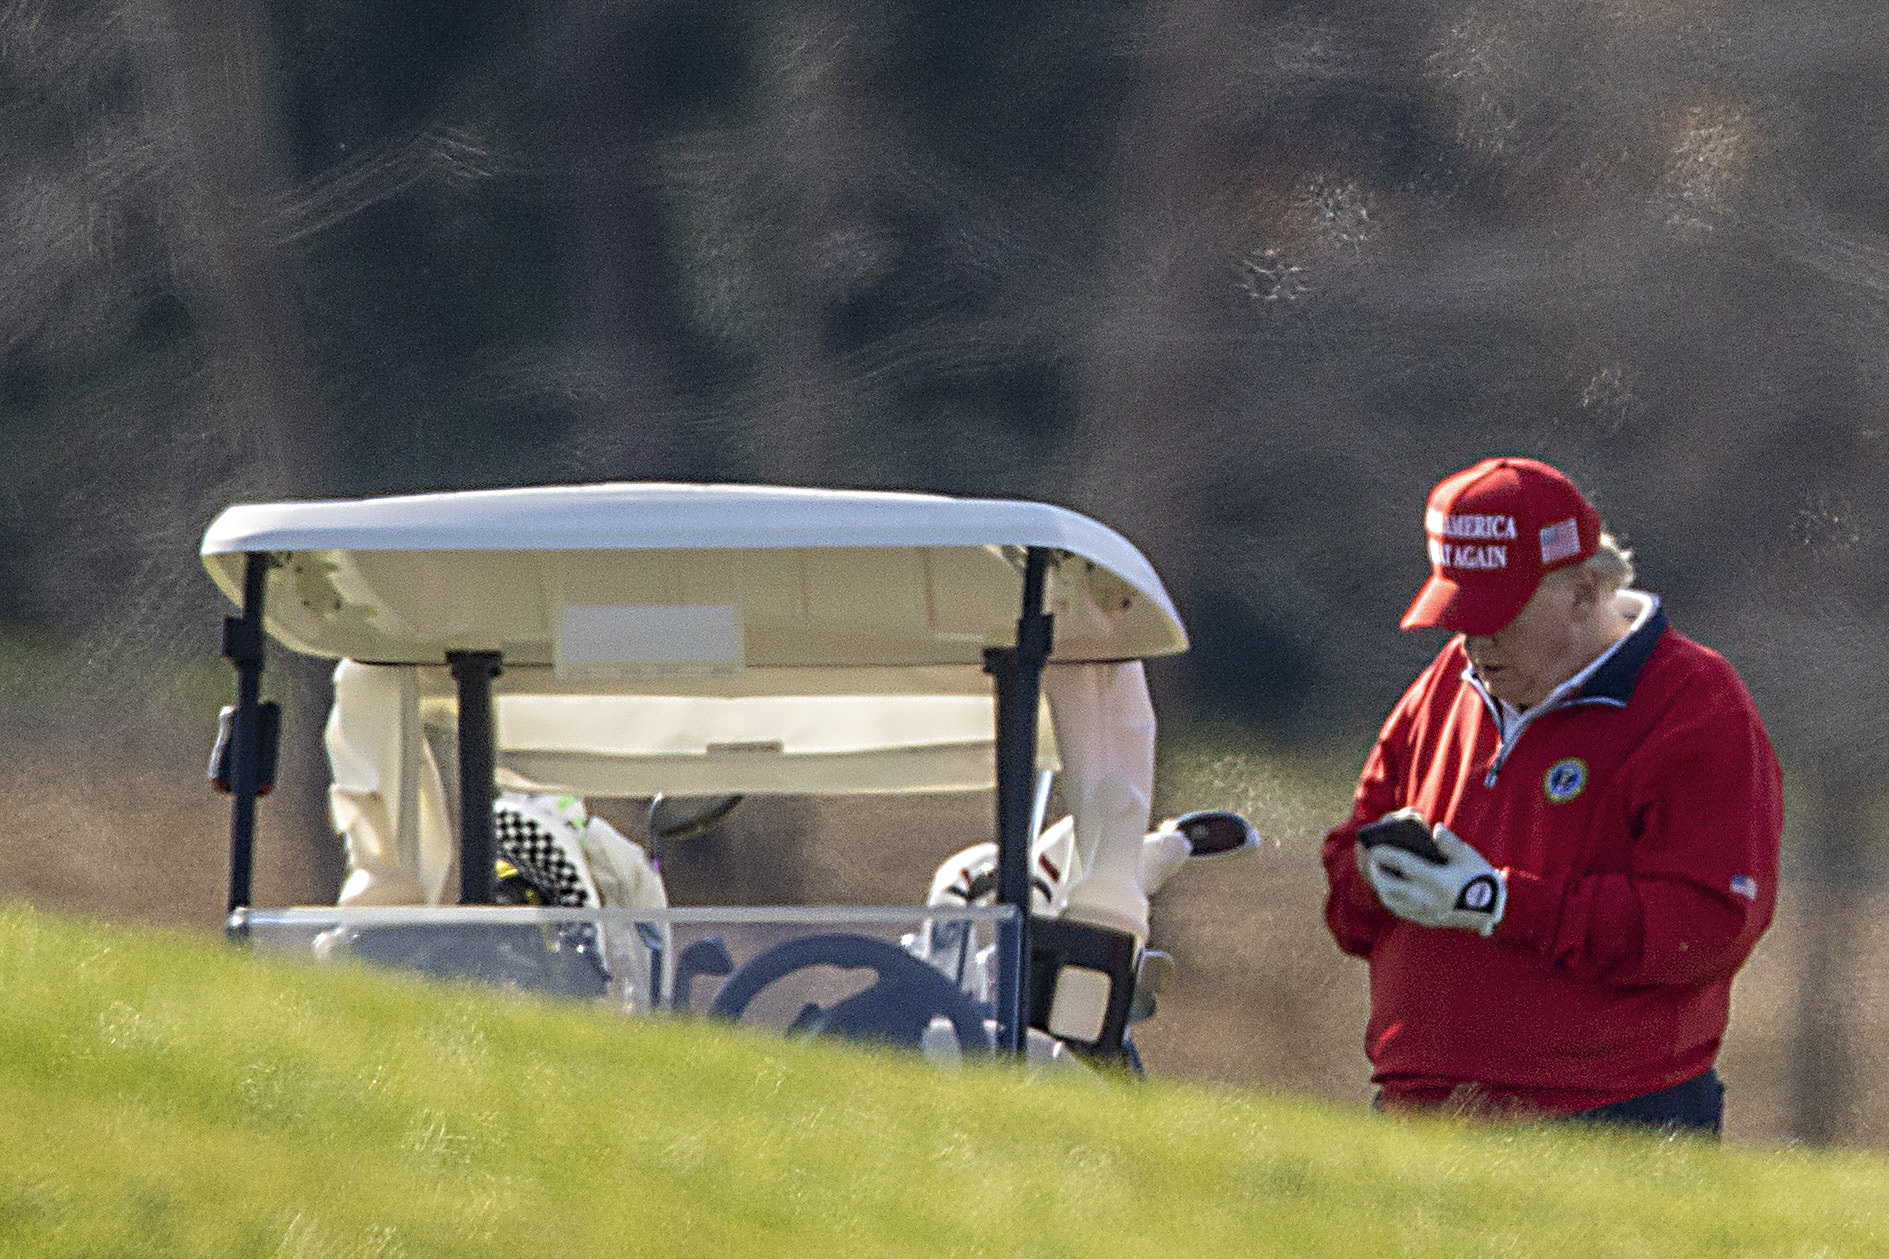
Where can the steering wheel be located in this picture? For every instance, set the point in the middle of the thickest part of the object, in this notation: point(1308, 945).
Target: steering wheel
point(904, 997)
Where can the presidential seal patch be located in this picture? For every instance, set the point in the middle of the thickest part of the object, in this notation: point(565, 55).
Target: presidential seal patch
point(1565, 780)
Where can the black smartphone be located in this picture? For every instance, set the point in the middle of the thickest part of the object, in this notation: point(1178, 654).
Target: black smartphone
point(1403, 829)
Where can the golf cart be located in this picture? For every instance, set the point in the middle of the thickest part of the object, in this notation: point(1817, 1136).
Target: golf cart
point(690, 645)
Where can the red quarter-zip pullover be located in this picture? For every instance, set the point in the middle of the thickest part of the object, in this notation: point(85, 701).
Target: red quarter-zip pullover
point(1638, 822)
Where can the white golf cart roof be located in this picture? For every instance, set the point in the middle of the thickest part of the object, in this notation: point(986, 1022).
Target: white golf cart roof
point(703, 589)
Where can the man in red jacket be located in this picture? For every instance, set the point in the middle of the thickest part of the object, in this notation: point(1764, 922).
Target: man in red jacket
point(1604, 808)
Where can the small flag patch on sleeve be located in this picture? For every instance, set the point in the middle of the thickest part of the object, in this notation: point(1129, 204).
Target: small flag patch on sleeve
point(1746, 886)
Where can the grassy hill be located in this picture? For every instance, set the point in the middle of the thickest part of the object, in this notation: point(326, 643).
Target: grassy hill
point(161, 1095)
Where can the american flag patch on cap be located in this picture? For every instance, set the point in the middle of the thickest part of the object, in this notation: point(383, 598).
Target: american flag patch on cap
point(1559, 541)
point(1746, 886)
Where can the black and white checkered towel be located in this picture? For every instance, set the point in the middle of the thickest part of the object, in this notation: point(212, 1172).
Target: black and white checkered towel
point(526, 843)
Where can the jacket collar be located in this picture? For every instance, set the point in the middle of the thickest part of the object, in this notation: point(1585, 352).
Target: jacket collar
point(1608, 679)
point(1618, 672)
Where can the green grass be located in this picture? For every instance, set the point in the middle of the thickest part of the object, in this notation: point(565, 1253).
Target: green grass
point(161, 1095)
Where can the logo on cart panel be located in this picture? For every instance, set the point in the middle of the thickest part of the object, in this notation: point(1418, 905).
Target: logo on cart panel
point(1565, 780)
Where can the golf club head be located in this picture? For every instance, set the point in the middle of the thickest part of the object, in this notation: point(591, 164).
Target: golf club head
point(1215, 833)
point(673, 819)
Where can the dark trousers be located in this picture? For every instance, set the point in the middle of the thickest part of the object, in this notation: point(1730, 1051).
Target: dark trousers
point(1695, 1107)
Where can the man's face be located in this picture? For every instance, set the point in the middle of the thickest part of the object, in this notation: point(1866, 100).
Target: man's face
point(1537, 651)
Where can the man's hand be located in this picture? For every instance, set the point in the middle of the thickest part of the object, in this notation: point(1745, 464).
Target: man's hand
point(1464, 892)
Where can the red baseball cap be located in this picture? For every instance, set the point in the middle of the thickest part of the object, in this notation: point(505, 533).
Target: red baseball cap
point(1495, 530)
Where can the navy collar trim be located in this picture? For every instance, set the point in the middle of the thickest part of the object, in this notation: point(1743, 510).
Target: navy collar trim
point(1614, 681)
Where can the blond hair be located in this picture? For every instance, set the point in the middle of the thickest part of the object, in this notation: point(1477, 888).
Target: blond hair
point(1612, 563)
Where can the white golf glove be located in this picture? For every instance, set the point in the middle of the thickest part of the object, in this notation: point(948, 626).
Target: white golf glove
point(1465, 892)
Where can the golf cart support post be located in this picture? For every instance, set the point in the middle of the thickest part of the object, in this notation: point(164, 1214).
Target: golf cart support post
point(243, 648)
point(1018, 676)
point(473, 672)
